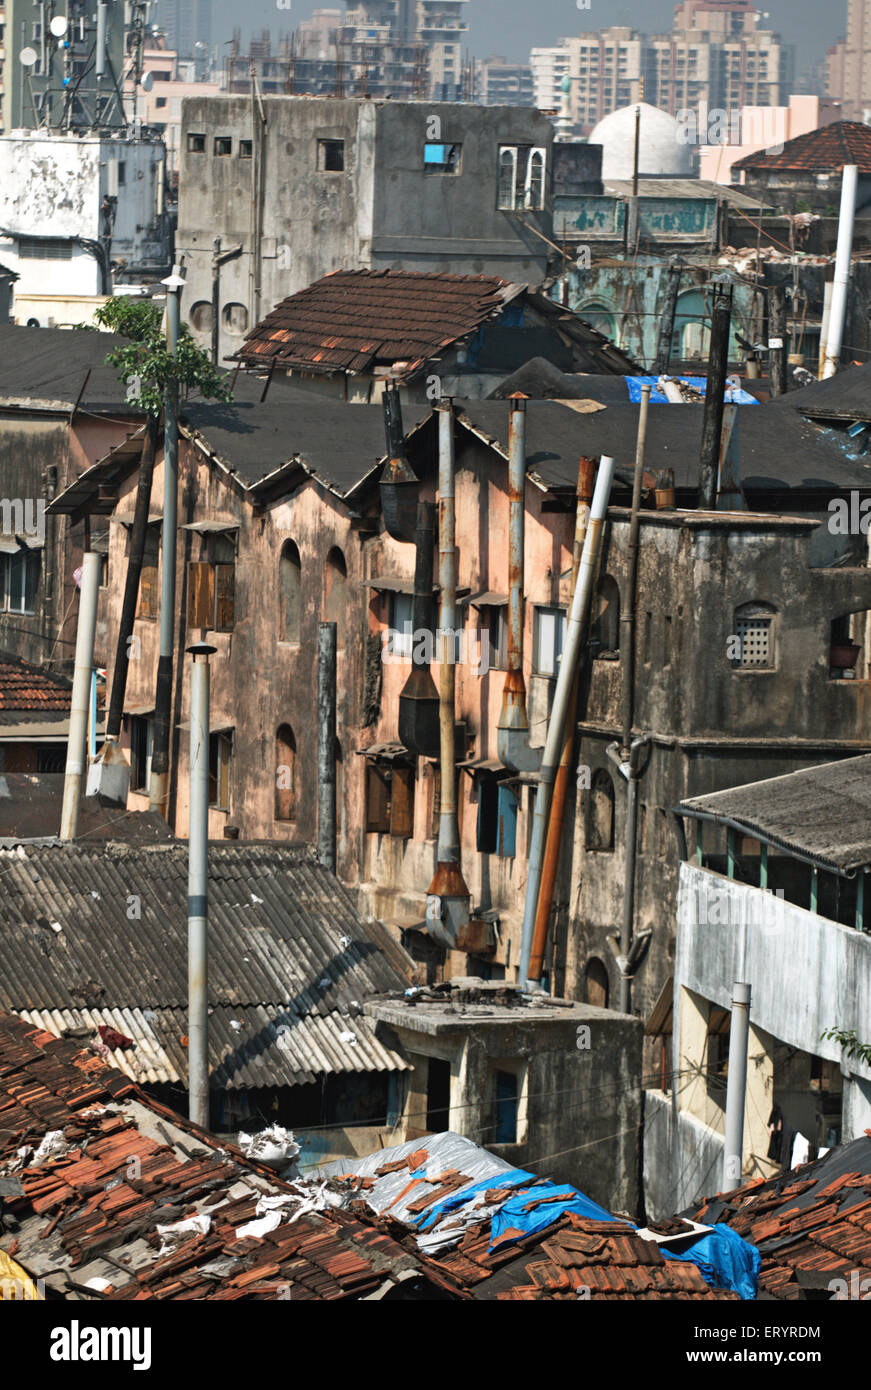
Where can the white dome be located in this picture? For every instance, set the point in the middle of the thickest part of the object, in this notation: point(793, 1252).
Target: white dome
point(661, 150)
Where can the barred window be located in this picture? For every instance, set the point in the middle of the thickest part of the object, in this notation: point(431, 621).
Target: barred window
point(754, 649)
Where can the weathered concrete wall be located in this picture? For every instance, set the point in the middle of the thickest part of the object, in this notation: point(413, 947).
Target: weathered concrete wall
point(681, 1164)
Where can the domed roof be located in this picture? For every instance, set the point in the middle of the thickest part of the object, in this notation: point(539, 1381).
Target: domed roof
point(661, 149)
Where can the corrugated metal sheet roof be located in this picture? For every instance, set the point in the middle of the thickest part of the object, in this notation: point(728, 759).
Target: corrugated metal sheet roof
point(289, 957)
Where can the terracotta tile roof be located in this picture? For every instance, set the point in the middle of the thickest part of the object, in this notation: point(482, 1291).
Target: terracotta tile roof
point(811, 1225)
point(354, 320)
point(26, 687)
point(827, 149)
point(116, 1165)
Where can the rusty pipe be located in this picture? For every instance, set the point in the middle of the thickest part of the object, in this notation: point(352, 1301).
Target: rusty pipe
point(627, 621)
point(550, 865)
point(576, 632)
point(512, 730)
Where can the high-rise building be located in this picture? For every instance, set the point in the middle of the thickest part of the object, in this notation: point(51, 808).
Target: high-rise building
point(848, 68)
point(500, 83)
point(187, 25)
point(549, 67)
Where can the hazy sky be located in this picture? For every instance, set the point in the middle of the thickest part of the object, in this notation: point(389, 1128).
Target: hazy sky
point(513, 27)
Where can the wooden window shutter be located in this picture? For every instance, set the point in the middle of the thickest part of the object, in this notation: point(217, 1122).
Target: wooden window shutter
point(225, 597)
point(377, 800)
point(402, 802)
point(436, 773)
point(201, 594)
point(148, 592)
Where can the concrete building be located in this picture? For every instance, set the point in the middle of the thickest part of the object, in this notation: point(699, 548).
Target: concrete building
point(346, 184)
point(848, 64)
point(806, 173)
point(759, 128)
point(74, 209)
point(159, 107)
point(772, 893)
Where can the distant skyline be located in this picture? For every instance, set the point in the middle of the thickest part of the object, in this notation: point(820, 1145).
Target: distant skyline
point(512, 27)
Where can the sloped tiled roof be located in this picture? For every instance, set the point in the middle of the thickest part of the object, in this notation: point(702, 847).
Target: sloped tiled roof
point(353, 320)
point(811, 1225)
point(31, 688)
point(290, 960)
point(86, 1219)
point(827, 149)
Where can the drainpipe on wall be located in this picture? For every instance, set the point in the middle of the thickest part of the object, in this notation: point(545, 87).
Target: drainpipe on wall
point(447, 904)
point(81, 692)
point(631, 948)
point(736, 1087)
point(327, 643)
point(576, 632)
point(843, 260)
point(158, 790)
point(399, 486)
point(718, 365)
point(512, 731)
point(419, 729)
point(550, 865)
point(198, 889)
point(627, 620)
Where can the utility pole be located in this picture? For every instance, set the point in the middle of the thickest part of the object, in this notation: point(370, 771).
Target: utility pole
point(158, 792)
point(666, 322)
point(198, 889)
point(777, 340)
point(327, 745)
point(736, 1087)
point(718, 365)
point(81, 692)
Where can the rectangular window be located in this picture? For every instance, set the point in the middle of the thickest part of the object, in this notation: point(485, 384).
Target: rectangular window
point(160, 102)
point(220, 752)
point(223, 145)
point(149, 586)
point(141, 744)
point(495, 620)
point(331, 156)
point(442, 159)
point(122, 173)
point(507, 1100)
point(196, 144)
point(497, 818)
point(548, 634)
point(754, 636)
point(377, 800)
point(19, 582)
point(402, 802)
point(212, 586)
point(45, 249)
point(246, 148)
point(400, 636)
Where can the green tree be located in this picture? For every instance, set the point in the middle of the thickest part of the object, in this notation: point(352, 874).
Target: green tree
point(849, 1041)
point(145, 363)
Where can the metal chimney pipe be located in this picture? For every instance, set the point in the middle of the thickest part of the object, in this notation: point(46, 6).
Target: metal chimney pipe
point(843, 260)
point(718, 365)
point(736, 1088)
point(576, 632)
point(419, 699)
point(447, 906)
point(100, 46)
point(78, 734)
point(327, 745)
point(512, 731)
point(158, 791)
point(198, 889)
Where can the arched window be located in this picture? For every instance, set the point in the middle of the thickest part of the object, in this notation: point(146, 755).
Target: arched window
point(507, 176)
point(202, 315)
point(285, 773)
point(597, 986)
point(535, 180)
point(335, 582)
point(752, 642)
point(235, 318)
point(600, 813)
point(598, 316)
point(290, 576)
point(605, 632)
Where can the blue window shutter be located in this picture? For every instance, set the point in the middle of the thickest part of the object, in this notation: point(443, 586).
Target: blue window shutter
point(507, 812)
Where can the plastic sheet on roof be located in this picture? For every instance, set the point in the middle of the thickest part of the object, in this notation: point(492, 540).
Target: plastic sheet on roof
point(732, 396)
point(725, 1260)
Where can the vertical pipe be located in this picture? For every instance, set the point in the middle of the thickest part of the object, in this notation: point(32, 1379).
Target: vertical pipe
point(826, 320)
point(513, 728)
point(843, 260)
point(216, 297)
point(449, 838)
point(550, 863)
point(327, 745)
point(92, 716)
point(712, 428)
point(576, 631)
point(78, 734)
point(198, 889)
point(777, 340)
point(100, 46)
point(666, 324)
point(627, 621)
point(736, 1088)
point(159, 788)
point(631, 838)
point(131, 583)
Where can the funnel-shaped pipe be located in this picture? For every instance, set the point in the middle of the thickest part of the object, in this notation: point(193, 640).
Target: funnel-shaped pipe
point(419, 700)
point(399, 485)
point(512, 731)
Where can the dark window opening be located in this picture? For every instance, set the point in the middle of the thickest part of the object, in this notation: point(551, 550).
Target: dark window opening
point(331, 156)
point(223, 145)
point(597, 985)
point(220, 753)
point(507, 1100)
point(497, 818)
point(290, 577)
point(141, 739)
point(438, 1095)
point(246, 149)
point(196, 144)
point(600, 813)
point(717, 1061)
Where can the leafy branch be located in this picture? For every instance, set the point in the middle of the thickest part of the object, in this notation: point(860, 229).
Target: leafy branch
point(145, 364)
point(849, 1041)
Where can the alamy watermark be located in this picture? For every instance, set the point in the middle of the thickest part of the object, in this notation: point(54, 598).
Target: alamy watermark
point(424, 646)
point(23, 517)
point(706, 125)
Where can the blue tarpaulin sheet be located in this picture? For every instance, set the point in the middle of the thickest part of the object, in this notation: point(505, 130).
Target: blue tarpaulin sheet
point(657, 397)
point(434, 1214)
point(512, 1217)
point(724, 1260)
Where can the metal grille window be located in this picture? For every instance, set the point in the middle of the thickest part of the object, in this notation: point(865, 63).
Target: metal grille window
point(45, 248)
point(754, 630)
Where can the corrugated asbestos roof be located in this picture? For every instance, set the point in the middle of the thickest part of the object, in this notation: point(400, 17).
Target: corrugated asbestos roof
point(289, 958)
point(823, 812)
point(811, 1225)
point(354, 320)
point(823, 150)
point(53, 368)
point(90, 1222)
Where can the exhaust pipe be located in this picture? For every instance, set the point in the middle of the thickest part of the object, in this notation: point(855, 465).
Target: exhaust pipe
point(399, 485)
point(843, 261)
point(448, 898)
point(419, 699)
point(78, 731)
point(512, 731)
